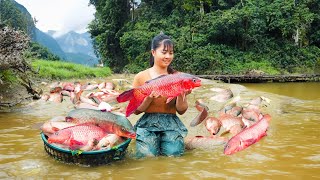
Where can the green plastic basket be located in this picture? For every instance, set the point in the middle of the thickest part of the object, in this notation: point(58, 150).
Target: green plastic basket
point(87, 158)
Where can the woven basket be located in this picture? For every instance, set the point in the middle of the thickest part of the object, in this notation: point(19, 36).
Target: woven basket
point(87, 158)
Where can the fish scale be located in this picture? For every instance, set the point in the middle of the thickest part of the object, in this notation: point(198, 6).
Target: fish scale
point(78, 136)
point(108, 121)
point(169, 86)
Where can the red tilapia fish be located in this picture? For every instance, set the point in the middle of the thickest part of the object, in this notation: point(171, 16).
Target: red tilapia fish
point(82, 136)
point(169, 86)
point(110, 122)
point(248, 136)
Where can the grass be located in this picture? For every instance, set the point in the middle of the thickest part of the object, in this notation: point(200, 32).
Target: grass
point(59, 70)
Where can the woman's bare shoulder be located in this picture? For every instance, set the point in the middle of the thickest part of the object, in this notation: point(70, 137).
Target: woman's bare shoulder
point(141, 77)
point(142, 74)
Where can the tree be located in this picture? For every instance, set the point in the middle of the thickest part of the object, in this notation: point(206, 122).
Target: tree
point(106, 30)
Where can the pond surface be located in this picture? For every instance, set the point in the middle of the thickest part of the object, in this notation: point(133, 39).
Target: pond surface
point(290, 151)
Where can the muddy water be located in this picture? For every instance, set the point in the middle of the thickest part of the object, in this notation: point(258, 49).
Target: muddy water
point(290, 151)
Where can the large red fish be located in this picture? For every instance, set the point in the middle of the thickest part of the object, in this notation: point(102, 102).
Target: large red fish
point(82, 136)
point(110, 122)
point(169, 86)
point(248, 136)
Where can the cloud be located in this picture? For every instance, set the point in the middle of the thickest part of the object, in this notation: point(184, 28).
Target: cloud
point(60, 15)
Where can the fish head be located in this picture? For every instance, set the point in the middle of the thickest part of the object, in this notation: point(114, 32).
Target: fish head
point(233, 146)
point(48, 128)
point(125, 132)
point(191, 82)
point(60, 136)
point(213, 125)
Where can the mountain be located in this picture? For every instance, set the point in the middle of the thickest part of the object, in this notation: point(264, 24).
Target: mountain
point(22, 19)
point(72, 47)
point(49, 42)
point(77, 46)
point(27, 24)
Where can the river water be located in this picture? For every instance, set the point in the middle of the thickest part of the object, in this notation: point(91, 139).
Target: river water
point(291, 150)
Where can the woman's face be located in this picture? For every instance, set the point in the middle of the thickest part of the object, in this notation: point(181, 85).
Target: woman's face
point(163, 56)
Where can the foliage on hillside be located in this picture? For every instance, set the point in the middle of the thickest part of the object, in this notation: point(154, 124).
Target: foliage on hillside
point(211, 37)
point(15, 16)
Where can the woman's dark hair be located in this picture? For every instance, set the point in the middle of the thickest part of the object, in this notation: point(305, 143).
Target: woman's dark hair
point(167, 43)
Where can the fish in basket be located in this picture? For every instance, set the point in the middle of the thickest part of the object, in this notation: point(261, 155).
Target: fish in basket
point(88, 137)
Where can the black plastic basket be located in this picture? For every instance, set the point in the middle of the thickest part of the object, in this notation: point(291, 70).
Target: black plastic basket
point(87, 158)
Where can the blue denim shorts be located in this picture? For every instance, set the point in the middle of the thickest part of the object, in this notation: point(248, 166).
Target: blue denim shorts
point(160, 134)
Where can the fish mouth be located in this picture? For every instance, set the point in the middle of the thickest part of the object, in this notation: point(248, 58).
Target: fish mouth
point(197, 83)
point(131, 135)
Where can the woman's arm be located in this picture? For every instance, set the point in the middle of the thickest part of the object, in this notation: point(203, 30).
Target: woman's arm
point(182, 103)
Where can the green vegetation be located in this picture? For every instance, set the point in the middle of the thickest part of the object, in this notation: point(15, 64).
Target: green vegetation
point(37, 51)
point(8, 76)
point(210, 36)
point(65, 70)
point(17, 17)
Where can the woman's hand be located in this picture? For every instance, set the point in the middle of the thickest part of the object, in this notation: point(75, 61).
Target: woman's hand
point(182, 103)
point(146, 102)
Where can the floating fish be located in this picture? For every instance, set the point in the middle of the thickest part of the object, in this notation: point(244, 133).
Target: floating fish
point(248, 136)
point(203, 142)
point(203, 109)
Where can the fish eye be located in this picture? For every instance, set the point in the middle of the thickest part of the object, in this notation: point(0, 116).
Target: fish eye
point(194, 80)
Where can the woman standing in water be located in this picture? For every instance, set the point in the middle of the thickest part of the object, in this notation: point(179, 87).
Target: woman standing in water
point(159, 130)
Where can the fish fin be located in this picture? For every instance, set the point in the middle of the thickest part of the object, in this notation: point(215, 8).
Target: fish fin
point(133, 105)
point(249, 141)
point(155, 78)
point(74, 144)
point(126, 96)
point(183, 96)
point(169, 99)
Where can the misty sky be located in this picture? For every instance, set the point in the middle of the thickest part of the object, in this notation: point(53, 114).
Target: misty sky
point(60, 15)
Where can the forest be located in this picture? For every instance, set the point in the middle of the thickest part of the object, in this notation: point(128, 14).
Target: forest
point(211, 36)
point(228, 37)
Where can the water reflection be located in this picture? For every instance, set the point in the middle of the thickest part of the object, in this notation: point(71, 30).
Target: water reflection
point(290, 151)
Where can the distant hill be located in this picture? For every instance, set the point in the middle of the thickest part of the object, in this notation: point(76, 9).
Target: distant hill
point(17, 16)
point(72, 47)
point(49, 42)
point(78, 47)
point(80, 58)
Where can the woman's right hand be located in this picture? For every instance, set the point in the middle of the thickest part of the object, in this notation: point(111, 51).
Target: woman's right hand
point(146, 102)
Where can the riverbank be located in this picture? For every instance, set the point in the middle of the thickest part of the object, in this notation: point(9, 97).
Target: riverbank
point(12, 95)
point(263, 78)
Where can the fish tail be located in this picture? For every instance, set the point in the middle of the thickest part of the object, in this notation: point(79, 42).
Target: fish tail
point(126, 96)
point(133, 105)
